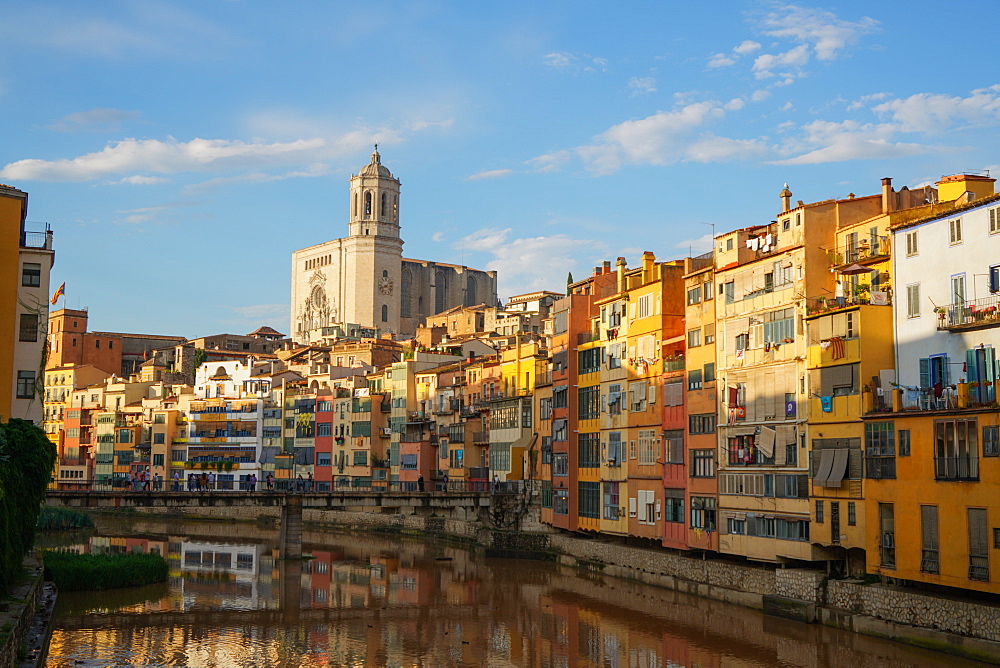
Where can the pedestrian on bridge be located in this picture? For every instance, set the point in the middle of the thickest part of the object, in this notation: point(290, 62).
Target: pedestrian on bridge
point(211, 481)
point(270, 482)
point(177, 482)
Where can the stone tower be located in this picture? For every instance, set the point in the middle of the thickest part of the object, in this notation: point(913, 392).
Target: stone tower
point(373, 249)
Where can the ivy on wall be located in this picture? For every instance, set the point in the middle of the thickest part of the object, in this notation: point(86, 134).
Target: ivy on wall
point(26, 460)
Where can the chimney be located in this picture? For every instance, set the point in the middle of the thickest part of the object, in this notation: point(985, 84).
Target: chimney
point(648, 261)
point(621, 274)
point(786, 199)
point(887, 198)
point(607, 266)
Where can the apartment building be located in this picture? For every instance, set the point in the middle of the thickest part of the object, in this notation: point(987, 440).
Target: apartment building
point(26, 257)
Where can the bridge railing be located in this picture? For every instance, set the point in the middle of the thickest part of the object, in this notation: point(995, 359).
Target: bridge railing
point(294, 486)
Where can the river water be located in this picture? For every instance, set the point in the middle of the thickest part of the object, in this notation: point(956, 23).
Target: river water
point(377, 600)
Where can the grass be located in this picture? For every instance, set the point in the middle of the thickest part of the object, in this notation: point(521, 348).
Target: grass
point(88, 572)
point(63, 519)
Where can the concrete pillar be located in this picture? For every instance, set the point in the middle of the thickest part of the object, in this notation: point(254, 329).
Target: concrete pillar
point(291, 589)
point(897, 400)
point(291, 528)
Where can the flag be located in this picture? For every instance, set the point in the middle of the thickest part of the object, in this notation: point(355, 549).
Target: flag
point(838, 349)
point(59, 293)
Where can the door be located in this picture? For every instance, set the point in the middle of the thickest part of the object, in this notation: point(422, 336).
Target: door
point(834, 522)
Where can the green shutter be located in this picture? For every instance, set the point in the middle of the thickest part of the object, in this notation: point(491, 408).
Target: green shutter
point(925, 372)
point(971, 368)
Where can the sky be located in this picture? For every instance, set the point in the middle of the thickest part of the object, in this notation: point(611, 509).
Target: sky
point(181, 151)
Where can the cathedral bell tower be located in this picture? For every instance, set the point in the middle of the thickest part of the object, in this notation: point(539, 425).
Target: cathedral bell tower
point(373, 249)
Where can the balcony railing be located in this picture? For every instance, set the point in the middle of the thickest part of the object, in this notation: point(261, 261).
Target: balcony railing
point(587, 337)
point(542, 379)
point(962, 468)
point(979, 569)
point(861, 252)
point(37, 239)
point(824, 304)
point(879, 467)
point(972, 314)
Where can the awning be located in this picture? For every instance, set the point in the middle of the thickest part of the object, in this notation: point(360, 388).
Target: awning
point(825, 465)
point(523, 442)
point(741, 431)
point(765, 442)
point(839, 468)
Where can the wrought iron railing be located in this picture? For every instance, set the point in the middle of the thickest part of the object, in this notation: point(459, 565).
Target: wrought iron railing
point(971, 314)
point(962, 468)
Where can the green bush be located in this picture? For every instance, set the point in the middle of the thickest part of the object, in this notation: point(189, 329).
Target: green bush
point(87, 572)
point(26, 459)
point(63, 519)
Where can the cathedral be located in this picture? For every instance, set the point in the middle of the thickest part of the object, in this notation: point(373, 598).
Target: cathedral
point(363, 278)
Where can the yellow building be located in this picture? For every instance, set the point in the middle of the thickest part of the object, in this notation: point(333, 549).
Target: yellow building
point(60, 384)
point(512, 419)
point(26, 257)
point(612, 329)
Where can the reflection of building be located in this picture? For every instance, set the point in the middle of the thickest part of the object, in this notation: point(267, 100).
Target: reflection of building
point(227, 573)
point(363, 277)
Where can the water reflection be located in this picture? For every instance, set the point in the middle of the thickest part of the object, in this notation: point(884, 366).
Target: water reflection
point(370, 600)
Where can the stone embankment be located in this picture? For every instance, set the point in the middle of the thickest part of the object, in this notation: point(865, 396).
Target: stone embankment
point(965, 627)
point(25, 617)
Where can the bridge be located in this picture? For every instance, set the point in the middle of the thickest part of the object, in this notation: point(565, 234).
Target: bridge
point(450, 502)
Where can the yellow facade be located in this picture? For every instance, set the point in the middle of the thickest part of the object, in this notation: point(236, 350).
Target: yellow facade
point(588, 433)
point(12, 206)
point(612, 329)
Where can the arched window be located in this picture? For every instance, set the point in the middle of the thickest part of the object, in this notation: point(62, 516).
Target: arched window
point(368, 204)
point(470, 291)
point(385, 313)
point(440, 292)
point(395, 208)
point(354, 209)
point(385, 274)
point(404, 294)
point(383, 207)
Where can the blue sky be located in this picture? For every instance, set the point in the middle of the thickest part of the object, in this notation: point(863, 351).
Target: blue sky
point(181, 151)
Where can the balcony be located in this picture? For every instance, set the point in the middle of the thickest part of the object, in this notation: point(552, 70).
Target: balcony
point(41, 240)
point(970, 315)
point(964, 468)
point(824, 304)
point(880, 467)
point(864, 252)
point(543, 379)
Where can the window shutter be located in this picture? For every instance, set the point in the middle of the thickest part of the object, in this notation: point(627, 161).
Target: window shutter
point(971, 368)
point(631, 506)
point(925, 372)
point(642, 505)
point(929, 527)
point(991, 365)
point(803, 486)
point(651, 393)
point(977, 533)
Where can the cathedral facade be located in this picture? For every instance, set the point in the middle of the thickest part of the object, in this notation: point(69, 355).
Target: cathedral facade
point(364, 279)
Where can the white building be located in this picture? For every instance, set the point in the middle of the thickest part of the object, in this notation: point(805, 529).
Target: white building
point(947, 276)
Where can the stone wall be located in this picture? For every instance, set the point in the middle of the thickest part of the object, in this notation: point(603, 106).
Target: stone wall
point(19, 613)
point(799, 583)
point(894, 604)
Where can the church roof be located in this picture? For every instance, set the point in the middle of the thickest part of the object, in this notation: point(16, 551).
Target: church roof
point(375, 167)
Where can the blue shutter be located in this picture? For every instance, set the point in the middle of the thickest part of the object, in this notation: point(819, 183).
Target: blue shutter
point(971, 368)
point(945, 370)
point(990, 374)
point(925, 372)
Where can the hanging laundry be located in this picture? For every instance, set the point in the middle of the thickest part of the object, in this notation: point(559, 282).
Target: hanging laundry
point(838, 348)
point(826, 403)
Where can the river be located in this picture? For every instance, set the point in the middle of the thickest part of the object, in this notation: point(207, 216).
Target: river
point(382, 600)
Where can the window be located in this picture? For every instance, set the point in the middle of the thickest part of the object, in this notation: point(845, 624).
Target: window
point(880, 450)
point(995, 220)
point(694, 379)
point(560, 396)
point(783, 274)
point(994, 278)
point(612, 509)
point(956, 450)
point(614, 448)
point(708, 291)
point(589, 448)
point(28, 330)
point(958, 289)
point(736, 526)
point(819, 512)
point(590, 402)
point(913, 300)
point(694, 338)
point(709, 334)
point(703, 463)
point(674, 446)
point(729, 290)
point(31, 274)
point(560, 463)
point(559, 430)
point(955, 231)
point(979, 561)
point(589, 503)
point(779, 326)
point(546, 494)
point(673, 505)
point(673, 393)
point(25, 384)
point(929, 562)
point(904, 442)
point(590, 360)
point(694, 295)
point(158, 438)
point(644, 306)
point(991, 441)
point(360, 458)
point(701, 424)
point(324, 429)
point(648, 450)
point(887, 535)
point(385, 313)
point(742, 342)
point(124, 435)
point(703, 513)
point(852, 514)
point(709, 376)
point(911, 243)
point(560, 502)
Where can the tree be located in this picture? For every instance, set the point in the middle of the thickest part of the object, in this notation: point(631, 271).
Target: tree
point(200, 356)
point(569, 282)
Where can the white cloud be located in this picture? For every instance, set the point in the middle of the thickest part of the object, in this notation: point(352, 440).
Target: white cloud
point(746, 46)
point(826, 141)
point(197, 155)
point(663, 138)
point(863, 101)
point(734, 104)
point(787, 106)
point(765, 64)
point(260, 312)
point(698, 244)
point(642, 85)
point(760, 95)
point(94, 120)
point(560, 60)
point(491, 174)
point(313, 171)
point(531, 263)
point(927, 112)
point(721, 60)
point(437, 237)
point(138, 180)
point(550, 162)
